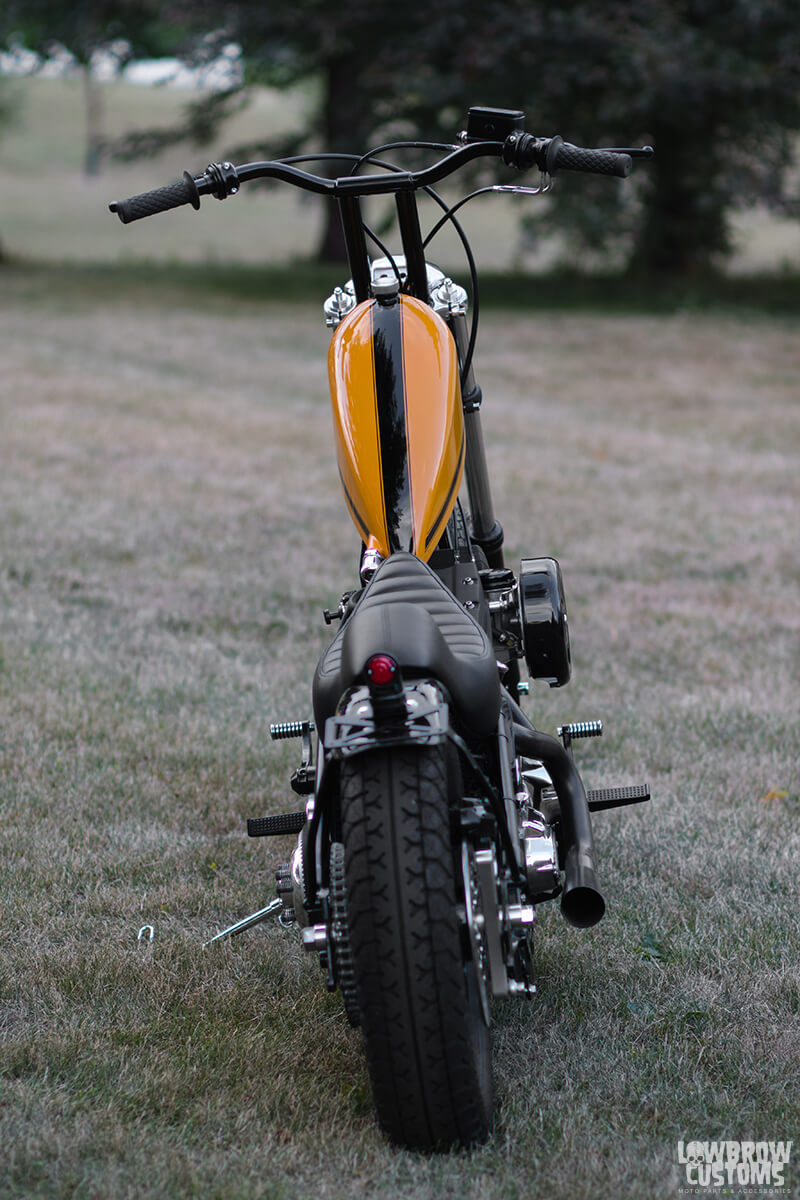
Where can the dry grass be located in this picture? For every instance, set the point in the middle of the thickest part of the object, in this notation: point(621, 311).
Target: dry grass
point(171, 529)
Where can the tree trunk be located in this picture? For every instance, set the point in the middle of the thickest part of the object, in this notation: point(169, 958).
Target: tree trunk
point(346, 126)
point(685, 229)
point(93, 105)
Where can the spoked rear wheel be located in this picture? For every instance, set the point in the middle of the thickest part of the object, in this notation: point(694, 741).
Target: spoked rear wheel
point(426, 1037)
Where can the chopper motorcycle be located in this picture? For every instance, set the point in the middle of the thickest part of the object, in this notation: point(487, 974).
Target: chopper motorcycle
point(436, 816)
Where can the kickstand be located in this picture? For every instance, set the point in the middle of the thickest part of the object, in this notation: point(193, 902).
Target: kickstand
point(247, 922)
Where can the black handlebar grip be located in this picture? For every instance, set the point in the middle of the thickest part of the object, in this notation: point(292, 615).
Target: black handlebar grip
point(162, 199)
point(596, 162)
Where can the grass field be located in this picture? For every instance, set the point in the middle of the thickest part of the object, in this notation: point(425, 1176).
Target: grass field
point(171, 529)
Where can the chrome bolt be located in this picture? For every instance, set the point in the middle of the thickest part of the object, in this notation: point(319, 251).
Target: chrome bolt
point(315, 937)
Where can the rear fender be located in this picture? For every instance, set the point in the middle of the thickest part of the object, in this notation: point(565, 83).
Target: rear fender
point(355, 728)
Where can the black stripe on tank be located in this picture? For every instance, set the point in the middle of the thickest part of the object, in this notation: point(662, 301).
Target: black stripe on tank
point(387, 341)
point(359, 520)
point(450, 498)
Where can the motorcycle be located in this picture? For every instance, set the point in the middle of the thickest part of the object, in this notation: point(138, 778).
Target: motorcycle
point(436, 817)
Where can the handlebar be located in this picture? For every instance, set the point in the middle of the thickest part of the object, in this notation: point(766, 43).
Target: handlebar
point(554, 154)
point(520, 150)
point(162, 199)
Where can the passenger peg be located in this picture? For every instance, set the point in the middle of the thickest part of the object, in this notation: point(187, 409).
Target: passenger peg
point(579, 729)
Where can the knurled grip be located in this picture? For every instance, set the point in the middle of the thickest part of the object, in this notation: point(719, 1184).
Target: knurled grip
point(594, 162)
point(162, 199)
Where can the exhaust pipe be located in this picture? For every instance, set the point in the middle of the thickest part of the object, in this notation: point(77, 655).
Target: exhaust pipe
point(581, 901)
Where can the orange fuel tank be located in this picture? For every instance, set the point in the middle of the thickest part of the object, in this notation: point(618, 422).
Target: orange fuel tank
point(398, 422)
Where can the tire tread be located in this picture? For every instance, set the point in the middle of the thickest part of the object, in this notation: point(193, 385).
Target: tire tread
point(431, 1077)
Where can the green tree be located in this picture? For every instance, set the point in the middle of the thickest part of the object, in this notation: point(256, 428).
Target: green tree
point(714, 85)
point(121, 29)
point(349, 51)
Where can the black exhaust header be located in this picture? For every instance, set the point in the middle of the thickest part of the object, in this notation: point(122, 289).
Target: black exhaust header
point(581, 901)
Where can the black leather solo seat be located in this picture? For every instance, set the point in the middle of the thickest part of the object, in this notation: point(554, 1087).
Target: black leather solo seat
point(407, 612)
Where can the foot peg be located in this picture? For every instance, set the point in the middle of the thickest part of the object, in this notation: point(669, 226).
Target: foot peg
point(600, 798)
point(579, 729)
point(274, 826)
point(302, 780)
point(290, 729)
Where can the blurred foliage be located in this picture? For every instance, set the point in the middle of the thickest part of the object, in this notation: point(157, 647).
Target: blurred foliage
point(714, 85)
point(9, 103)
point(201, 119)
point(361, 54)
point(125, 29)
point(9, 107)
point(119, 30)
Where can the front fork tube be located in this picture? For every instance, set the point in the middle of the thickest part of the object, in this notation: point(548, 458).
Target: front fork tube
point(487, 531)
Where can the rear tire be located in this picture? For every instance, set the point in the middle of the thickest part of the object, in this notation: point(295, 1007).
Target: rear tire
point(427, 1044)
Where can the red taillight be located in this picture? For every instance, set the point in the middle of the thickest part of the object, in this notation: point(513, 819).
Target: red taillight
point(381, 669)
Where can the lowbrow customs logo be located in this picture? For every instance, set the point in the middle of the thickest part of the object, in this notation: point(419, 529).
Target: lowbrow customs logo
point(758, 1166)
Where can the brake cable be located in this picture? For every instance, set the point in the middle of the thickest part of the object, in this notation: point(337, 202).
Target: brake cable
point(449, 215)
